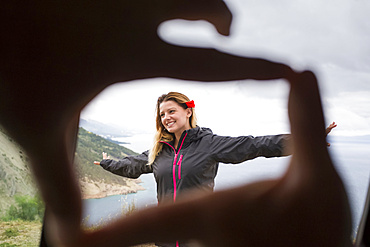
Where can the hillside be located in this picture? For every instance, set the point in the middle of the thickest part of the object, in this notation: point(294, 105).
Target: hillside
point(95, 181)
point(16, 178)
point(15, 175)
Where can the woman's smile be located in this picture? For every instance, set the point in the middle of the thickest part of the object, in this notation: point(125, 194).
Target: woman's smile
point(170, 124)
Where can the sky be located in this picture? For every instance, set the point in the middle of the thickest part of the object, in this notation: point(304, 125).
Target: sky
point(328, 37)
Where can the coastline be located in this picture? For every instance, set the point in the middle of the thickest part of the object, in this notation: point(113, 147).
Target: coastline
point(100, 189)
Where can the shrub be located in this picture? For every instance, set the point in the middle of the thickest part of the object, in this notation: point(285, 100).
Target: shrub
point(130, 208)
point(27, 208)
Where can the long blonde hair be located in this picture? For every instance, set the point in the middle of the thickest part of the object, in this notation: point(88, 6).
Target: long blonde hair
point(161, 133)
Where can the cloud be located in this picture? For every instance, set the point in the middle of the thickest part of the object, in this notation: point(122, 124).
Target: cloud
point(351, 111)
point(330, 37)
point(306, 31)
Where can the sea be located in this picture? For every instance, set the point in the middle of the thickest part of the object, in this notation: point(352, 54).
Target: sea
point(351, 156)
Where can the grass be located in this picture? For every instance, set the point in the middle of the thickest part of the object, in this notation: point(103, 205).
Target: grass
point(25, 233)
point(20, 233)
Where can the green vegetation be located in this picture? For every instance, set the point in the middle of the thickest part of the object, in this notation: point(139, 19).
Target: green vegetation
point(11, 232)
point(27, 208)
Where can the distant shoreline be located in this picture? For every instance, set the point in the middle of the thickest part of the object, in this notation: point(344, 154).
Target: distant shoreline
point(100, 189)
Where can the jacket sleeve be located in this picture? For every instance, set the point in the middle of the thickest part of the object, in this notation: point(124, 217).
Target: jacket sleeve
point(239, 149)
point(130, 166)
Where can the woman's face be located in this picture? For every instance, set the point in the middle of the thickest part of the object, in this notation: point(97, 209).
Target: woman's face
point(173, 117)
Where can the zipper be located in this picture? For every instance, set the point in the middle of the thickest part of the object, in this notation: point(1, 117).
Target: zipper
point(179, 165)
point(174, 170)
point(174, 166)
point(174, 176)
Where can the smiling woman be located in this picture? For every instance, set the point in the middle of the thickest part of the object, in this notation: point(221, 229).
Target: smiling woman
point(185, 156)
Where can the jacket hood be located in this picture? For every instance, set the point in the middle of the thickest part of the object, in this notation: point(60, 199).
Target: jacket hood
point(195, 134)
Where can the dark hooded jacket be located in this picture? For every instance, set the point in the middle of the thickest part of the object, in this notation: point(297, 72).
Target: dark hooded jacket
point(194, 164)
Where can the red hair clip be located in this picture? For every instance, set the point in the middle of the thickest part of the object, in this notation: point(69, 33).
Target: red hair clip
point(190, 104)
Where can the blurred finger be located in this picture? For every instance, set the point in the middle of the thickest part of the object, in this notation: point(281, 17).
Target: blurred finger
point(306, 115)
point(213, 11)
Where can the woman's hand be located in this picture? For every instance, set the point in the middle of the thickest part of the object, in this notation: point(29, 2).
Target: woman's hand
point(105, 156)
point(328, 130)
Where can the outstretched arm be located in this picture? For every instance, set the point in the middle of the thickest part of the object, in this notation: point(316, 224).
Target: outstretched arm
point(105, 157)
point(132, 166)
